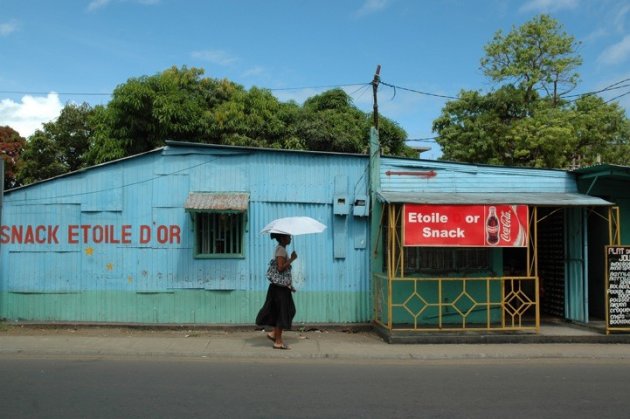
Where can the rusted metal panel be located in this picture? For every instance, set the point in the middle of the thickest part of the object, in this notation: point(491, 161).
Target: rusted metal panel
point(200, 201)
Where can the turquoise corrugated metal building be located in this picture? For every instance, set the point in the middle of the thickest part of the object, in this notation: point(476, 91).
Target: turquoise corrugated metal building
point(172, 236)
point(454, 286)
point(128, 241)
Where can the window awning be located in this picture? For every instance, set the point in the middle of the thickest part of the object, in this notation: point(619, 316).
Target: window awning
point(217, 201)
point(548, 199)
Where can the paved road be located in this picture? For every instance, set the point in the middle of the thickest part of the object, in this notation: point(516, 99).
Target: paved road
point(49, 387)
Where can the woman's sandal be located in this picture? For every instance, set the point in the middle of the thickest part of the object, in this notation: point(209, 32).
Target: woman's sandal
point(271, 337)
point(283, 346)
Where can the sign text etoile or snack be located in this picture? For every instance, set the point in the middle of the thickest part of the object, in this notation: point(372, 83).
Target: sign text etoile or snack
point(465, 225)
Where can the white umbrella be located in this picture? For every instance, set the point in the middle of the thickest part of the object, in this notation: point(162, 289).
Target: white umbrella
point(294, 226)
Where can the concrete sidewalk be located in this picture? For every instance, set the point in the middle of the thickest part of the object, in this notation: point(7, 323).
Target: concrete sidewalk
point(314, 344)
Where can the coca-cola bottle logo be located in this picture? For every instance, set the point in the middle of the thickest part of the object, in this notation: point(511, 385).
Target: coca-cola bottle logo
point(506, 226)
point(492, 227)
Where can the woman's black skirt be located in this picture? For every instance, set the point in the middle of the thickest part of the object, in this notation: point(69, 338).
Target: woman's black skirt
point(278, 310)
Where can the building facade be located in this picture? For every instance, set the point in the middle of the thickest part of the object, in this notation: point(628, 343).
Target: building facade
point(173, 236)
point(465, 246)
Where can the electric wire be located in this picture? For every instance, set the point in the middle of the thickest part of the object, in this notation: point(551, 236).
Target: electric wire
point(331, 86)
point(416, 91)
point(427, 139)
point(24, 92)
point(618, 97)
point(614, 86)
point(33, 92)
point(127, 185)
point(360, 86)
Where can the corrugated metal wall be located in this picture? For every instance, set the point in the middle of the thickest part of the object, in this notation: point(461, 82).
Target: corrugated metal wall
point(454, 177)
point(399, 175)
point(123, 248)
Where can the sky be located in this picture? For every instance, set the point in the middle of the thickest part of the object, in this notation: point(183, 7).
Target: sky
point(72, 51)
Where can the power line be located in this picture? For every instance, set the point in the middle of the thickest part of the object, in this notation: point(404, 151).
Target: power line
point(416, 91)
point(613, 86)
point(617, 97)
point(428, 139)
point(331, 86)
point(108, 189)
point(360, 86)
point(29, 92)
point(605, 89)
point(22, 92)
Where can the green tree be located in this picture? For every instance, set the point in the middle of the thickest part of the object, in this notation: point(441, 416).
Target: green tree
point(103, 146)
point(71, 131)
point(331, 122)
point(172, 105)
point(602, 132)
point(529, 124)
point(475, 128)
point(11, 147)
point(253, 118)
point(536, 55)
point(392, 138)
point(61, 145)
point(41, 159)
point(180, 104)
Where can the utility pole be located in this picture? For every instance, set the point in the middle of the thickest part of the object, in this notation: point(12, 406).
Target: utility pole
point(375, 82)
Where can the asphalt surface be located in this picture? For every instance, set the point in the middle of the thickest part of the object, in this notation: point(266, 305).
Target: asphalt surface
point(555, 341)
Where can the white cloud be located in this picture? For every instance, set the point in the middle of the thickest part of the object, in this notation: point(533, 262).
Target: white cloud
point(97, 4)
point(620, 18)
point(372, 6)
point(546, 6)
point(616, 53)
point(29, 114)
point(215, 56)
point(254, 71)
point(8, 27)
point(595, 35)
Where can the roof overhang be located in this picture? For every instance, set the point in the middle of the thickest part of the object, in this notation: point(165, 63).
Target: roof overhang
point(604, 171)
point(548, 199)
point(217, 201)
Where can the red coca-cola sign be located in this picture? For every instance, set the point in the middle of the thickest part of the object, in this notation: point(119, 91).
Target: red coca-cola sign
point(465, 225)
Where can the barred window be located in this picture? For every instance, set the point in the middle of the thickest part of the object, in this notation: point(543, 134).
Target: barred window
point(219, 223)
point(219, 234)
point(446, 260)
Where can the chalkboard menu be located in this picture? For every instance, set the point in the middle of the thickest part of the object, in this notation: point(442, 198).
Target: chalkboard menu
point(618, 278)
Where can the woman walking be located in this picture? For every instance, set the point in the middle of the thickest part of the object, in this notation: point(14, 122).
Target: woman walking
point(279, 309)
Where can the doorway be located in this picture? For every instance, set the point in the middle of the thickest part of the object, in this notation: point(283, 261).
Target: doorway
point(551, 261)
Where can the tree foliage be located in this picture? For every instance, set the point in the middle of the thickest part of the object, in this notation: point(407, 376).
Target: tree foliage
point(11, 147)
point(180, 104)
point(41, 159)
point(537, 55)
point(71, 131)
point(61, 146)
point(527, 122)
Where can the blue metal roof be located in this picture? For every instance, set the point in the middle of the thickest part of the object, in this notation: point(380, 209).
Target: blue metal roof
point(554, 199)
